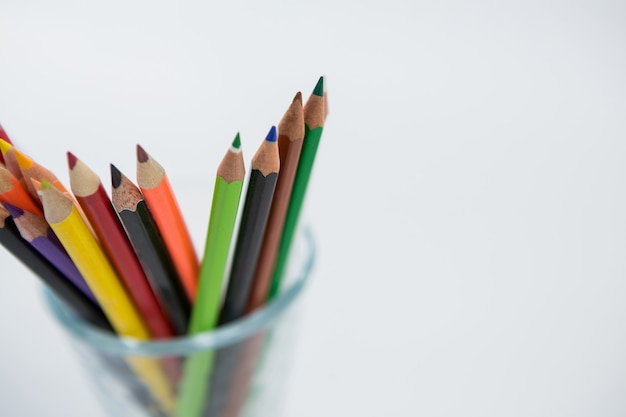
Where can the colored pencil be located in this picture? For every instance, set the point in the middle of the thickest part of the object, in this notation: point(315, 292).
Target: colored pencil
point(290, 138)
point(156, 188)
point(36, 231)
point(56, 281)
point(313, 127)
point(261, 185)
point(8, 153)
point(150, 249)
point(205, 312)
point(32, 172)
point(93, 264)
point(91, 261)
point(12, 191)
point(92, 197)
point(226, 196)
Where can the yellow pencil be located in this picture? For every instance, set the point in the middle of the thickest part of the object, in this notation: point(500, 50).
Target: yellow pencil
point(93, 264)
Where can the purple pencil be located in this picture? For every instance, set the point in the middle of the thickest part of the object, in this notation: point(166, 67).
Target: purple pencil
point(36, 231)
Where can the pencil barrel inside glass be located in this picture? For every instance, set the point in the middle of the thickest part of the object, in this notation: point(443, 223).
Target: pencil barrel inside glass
point(168, 334)
point(259, 345)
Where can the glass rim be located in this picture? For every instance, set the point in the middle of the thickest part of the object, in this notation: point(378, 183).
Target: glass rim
point(222, 336)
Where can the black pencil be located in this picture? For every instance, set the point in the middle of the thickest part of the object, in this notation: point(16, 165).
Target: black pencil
point(56, 281)
point(150, 249)
point(263, 176)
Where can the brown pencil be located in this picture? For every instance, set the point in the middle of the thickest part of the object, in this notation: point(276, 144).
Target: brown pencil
point(290, 136)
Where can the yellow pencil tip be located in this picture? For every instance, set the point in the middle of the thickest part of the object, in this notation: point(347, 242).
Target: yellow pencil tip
point(22, 160)
point(5, 146)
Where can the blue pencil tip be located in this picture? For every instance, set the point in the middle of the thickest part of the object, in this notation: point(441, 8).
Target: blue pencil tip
point(272, 136)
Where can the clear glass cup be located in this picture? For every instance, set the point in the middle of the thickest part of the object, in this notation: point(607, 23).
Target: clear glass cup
point(236, 370)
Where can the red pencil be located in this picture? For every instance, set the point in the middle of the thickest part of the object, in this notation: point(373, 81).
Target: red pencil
point(96, 204)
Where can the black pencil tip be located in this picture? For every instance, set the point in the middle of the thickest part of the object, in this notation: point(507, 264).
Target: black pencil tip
point(116, 176)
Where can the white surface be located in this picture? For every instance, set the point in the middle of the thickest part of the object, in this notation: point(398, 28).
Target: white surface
point(468, 196)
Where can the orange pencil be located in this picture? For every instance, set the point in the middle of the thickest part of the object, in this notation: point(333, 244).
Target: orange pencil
point(157, 191)
point(12, 192)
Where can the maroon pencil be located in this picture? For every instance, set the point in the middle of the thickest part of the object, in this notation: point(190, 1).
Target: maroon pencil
point(35, 230)
point(95, 202)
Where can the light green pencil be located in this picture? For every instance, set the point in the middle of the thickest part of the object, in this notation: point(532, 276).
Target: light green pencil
point(205, 312)
point(313, 125)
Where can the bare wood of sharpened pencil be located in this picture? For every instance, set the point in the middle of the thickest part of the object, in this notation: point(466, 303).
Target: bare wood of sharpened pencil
point(31, 169)
point(290, 138)
point(150, 249)
point(12, 192)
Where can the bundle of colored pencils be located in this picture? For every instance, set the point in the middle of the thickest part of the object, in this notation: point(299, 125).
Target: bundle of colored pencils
point(126, 262)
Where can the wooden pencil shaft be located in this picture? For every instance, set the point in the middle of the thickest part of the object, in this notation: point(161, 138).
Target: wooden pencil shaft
point(249, 239)
point(71, 296)
point(156, 262)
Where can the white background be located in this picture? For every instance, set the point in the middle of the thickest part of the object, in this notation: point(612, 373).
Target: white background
point(468, 196)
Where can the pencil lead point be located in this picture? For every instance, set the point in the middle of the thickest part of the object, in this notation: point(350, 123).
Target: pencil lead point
point(45, 184)
point(5, 146)
point(142, 155)
point(271, 136)
point(71, 160)
point(23, 161)
point(319, 87)
point(237, 142)
point(116, 176)
point(15, 212)
point(298, 97)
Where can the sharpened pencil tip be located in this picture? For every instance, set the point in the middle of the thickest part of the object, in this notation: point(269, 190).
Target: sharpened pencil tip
point(15, 212)
point(319, 87)
point(116, 176)
point(23, 161)
point(45, 184)
point(237, 142)
point(5, 146)
point(71, 160)
point(271, 136)
point(298, 97)
point(142, 155)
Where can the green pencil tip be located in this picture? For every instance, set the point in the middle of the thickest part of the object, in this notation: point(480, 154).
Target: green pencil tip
point(237, 142)
point(45, 184)
point(319, 87)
